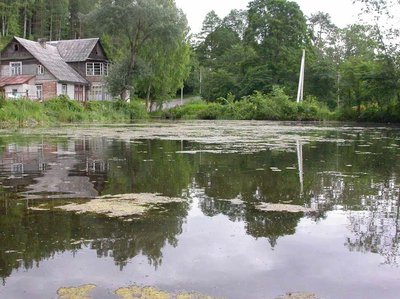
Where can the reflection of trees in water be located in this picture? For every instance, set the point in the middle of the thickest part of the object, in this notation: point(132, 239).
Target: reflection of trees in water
point(147, 237)
point(269, 225)
point(376, 229)
point(27, 238)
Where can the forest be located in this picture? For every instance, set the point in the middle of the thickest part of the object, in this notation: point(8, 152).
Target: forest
point(245, 58)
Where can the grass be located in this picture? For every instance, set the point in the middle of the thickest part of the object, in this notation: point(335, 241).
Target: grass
point(273, 106)
point(27, 113)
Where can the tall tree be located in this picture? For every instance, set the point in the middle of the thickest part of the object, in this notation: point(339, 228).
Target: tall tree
point(138, 23)
point(278, 31)
point(236, 20)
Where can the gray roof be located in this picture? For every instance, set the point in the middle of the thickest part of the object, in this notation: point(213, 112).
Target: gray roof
point(51, 59)
point(75, 50)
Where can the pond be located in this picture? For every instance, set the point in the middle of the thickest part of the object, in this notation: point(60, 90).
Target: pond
point(195, 209)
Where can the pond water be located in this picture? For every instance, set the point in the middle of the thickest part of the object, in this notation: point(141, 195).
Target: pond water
point(215, 241)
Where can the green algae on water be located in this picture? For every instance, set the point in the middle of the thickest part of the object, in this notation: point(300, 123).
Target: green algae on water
point(81, 292)
point(121, 205)
point(134, 292)
point(278, 207)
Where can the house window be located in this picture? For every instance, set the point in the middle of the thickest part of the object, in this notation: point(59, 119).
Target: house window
point(96, 93)
point(105, 69)
point(16, 47)
point(15, 68)
point(39, 91)
point(64, 89)
point(95, 69)
point(40, 69)
point(14, 92)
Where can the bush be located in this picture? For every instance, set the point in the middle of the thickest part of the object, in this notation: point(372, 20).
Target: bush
point(273, 106)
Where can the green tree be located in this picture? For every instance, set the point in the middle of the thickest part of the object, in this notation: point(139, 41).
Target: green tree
point(278, 31)
point(138, 23)
point(216, 44)
point(236, 20)
point(166, 70)
point(211, 22)
point(323, 59)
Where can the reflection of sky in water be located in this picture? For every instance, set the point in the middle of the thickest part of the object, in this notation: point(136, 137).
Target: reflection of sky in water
point(217, 257)
point(348, 249)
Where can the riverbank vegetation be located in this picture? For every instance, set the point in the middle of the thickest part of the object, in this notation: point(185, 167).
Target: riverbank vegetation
point(236, 63)
point(27, 113)
point(274, 106)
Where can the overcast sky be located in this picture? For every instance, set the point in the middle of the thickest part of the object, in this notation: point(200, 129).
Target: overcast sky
point(343, 12)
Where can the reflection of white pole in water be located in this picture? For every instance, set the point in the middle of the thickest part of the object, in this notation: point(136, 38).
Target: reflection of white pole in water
point(300, 164)
point(301, 79)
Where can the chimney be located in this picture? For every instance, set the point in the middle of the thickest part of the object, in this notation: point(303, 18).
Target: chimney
point(42, 42)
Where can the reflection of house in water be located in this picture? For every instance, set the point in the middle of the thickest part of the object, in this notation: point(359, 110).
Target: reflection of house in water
point(68, 169)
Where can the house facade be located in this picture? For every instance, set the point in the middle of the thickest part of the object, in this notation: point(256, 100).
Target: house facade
point(43, 70)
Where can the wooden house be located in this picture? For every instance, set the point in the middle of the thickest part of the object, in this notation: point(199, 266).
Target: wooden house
point(42, 70)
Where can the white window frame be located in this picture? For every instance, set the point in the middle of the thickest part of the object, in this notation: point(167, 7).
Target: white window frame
point(64, 89)
point(15, 68)
point(40, 70)
point(39, 91)
point(96, 92)
point(96, 69)
point(105, 69)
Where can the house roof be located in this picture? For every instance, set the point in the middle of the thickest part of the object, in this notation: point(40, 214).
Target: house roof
point(75, 50)
point(51, 59)
point(15, 80)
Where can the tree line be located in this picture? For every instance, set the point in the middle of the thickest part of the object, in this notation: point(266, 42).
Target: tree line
point(50, 19)
point(355, 68)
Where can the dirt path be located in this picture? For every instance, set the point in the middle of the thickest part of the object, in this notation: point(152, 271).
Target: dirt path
point(174, 103)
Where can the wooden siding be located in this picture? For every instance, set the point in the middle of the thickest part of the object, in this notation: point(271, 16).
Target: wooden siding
point(98, 54)
point(80, 67)
point(29, 67)
point(10, 54)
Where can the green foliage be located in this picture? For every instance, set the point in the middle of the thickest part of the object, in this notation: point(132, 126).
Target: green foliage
point(22, 113)
point(151, 30)
point(26, 113)
point(48, 19)
point(273, 106)
point(355, 67)
point(64, 110)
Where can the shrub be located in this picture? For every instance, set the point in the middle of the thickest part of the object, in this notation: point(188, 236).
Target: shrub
point(273, 106)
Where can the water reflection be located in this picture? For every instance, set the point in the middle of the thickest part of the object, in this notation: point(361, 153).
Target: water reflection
point(27, 238)
point(376, 229)
point(358, 176)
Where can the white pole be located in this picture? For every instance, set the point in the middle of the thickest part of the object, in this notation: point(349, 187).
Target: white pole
point(300, 90)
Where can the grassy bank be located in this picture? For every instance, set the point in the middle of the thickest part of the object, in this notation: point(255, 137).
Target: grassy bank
point(26, 113)
point(273, 106)
point(278, 106)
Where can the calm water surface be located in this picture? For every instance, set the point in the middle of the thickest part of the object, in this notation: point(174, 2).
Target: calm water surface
point(208, 244)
